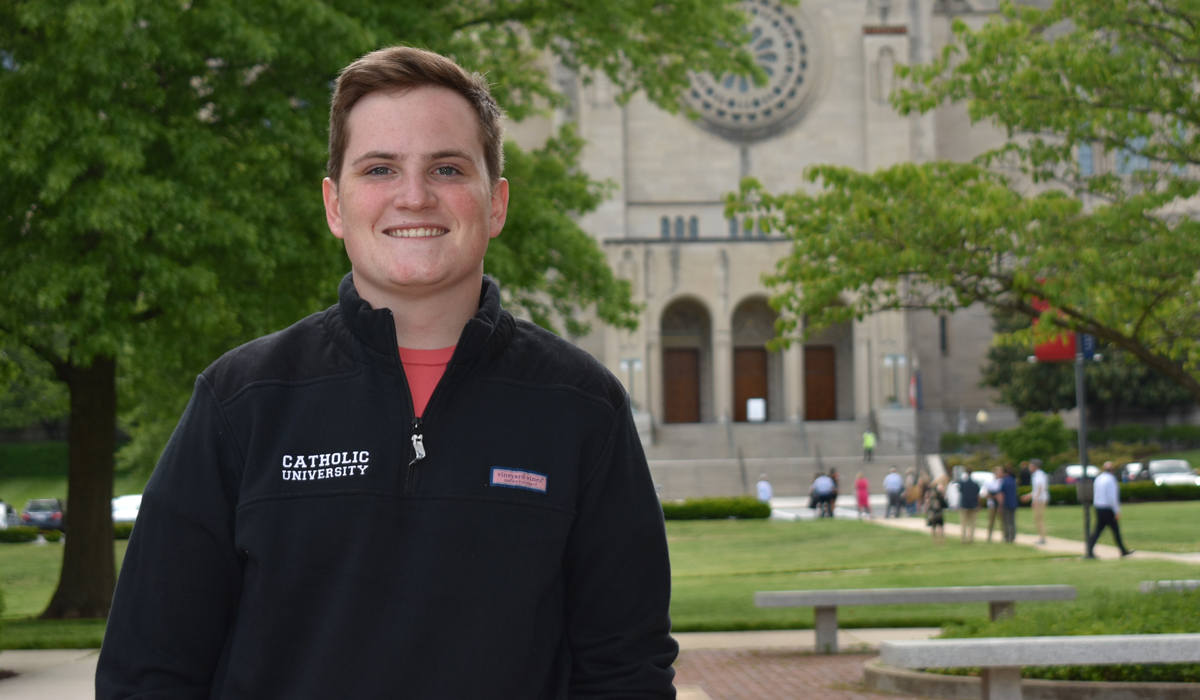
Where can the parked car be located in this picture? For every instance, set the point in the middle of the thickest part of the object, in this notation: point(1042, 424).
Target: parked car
point(983, 478)
point(44, 514)
point(125, 508)
point(1171, 472)
point(1074, 472)
point(9, 517)
point(1134, 471)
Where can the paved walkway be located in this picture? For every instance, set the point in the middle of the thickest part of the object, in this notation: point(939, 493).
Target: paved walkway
point(711, 666)
point(797, 509)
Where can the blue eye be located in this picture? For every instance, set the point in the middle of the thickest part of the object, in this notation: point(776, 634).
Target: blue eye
point(379, 170)
point(446, 170)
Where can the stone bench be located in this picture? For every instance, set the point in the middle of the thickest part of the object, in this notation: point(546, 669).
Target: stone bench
point(1186, 584)
point(1001, 658)
point(1000, 600)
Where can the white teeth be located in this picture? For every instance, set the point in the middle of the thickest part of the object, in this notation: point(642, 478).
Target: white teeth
point(415, 232)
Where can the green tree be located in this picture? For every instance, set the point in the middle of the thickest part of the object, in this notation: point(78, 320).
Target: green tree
point(159, 186)
point(28, 391)
point(1039, 435)
point(1113, 251)
point(1118, 381)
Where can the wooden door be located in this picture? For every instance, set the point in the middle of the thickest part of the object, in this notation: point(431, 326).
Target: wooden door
point(749, 379)
point(681, 390)
point(820, 385)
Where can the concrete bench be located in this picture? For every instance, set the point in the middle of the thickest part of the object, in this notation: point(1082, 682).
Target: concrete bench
point(1000, 600)
point(1001, 658)
point(1185, 584)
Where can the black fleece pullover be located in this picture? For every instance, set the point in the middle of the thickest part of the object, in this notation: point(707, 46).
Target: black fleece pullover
point(291, 545)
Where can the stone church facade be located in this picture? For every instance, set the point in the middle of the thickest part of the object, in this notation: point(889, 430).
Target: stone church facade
point(707, 389)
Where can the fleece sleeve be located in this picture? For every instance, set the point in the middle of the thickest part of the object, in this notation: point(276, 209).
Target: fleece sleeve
point(179, 585)
point(618, 578)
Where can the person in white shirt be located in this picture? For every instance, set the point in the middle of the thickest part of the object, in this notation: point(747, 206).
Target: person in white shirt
point(822, 492)
point(1038, 498)
point(764, 489)
point(1107, 499)
point(893, 485)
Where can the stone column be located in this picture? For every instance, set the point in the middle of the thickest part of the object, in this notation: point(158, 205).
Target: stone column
point(793, 382)
point(722, 373)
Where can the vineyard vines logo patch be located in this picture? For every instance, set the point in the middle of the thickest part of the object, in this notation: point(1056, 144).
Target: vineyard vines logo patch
point(329, 465)
point(519, 479)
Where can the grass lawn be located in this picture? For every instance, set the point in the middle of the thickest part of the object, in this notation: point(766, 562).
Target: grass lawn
point(718, 565)
point(1156, 527)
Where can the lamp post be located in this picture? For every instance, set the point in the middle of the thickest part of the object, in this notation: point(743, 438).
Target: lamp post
point(981, 418)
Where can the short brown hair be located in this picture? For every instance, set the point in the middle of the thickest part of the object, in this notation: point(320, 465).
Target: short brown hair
point(401, 68)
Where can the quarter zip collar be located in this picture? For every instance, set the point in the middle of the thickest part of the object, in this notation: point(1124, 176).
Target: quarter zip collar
point(483, 336)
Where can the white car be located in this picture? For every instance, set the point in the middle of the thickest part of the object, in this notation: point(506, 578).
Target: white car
point(1171, 472)
point(1075, 472)
point(125, 508)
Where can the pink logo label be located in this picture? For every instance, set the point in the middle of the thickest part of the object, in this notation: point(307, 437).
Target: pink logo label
point(519, 479)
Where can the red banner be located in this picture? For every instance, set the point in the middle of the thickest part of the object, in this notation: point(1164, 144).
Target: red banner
point(1060, 348)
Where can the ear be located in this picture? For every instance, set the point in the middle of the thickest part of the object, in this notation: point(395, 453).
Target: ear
point(333, 213)
point(499, 207)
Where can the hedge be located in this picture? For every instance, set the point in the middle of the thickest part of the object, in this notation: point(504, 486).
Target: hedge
point(714, 508)
point(19, 533)
point(121, 531)
point(1131, 492)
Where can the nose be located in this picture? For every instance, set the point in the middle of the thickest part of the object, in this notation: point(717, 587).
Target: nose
point(413, 192)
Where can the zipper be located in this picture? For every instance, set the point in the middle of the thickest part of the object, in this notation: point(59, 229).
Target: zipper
point(418, 442)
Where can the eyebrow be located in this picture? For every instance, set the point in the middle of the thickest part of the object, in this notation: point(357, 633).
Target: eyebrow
point(389, 155)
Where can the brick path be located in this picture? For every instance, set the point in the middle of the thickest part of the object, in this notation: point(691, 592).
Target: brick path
point(773, 674)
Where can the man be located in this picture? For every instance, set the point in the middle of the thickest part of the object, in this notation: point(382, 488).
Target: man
point(1106, 496)
point(893, 486)
point(868, 445)
point(823, 488)
point(1008, 504)
point(410, 494)
point(968, 506)
point(1038, 497)
point(994, 498)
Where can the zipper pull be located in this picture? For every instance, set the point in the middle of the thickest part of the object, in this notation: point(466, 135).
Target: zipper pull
point(418, 442)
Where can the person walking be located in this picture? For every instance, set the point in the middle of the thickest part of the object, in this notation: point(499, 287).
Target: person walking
point(1008, 505)
point(1038, 498)
point(893, 486)
point(1107, 499)
point(869, 445)
point(862, 495)
point(968, 506)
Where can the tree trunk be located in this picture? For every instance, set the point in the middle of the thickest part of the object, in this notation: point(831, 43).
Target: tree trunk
point(85, 587)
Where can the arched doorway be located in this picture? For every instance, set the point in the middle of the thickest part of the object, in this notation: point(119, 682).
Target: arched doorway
point(687, 359)
point(756, 371)
point(828, 374)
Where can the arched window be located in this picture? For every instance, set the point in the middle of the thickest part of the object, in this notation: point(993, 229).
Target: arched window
point(666, 227)
point(679, 227)
point(693, 227)
point(733, 227)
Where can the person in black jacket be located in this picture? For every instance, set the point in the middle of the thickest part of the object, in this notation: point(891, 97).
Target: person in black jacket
point(411, 494)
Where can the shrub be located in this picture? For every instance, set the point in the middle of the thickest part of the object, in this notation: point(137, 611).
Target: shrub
point(1131, 433)
point(1038, 435)
point(51, 535)
point(1104, 612)
point(716, 508)
point(39, 459)
point(1181, 435)
point(121, 531)
point(20, 533)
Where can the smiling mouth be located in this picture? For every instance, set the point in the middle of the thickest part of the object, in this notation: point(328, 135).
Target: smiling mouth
point(416, 232)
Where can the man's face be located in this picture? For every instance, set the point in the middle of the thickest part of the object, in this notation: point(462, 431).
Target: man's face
point(414, 205)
